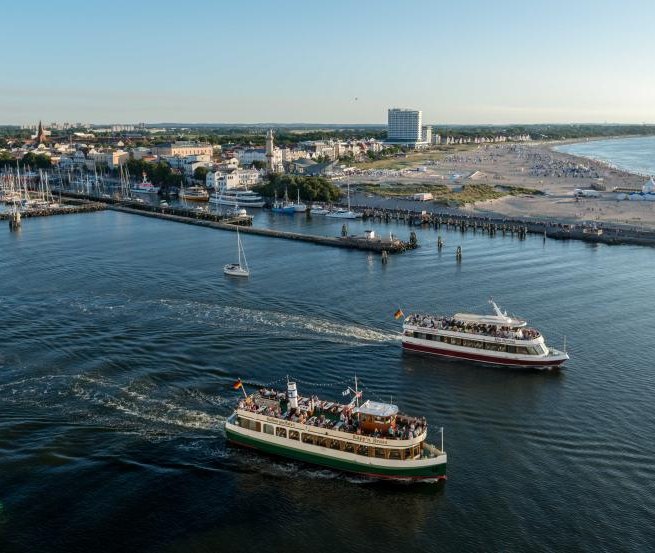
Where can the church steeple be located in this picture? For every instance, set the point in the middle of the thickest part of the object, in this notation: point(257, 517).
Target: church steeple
point(40, 134)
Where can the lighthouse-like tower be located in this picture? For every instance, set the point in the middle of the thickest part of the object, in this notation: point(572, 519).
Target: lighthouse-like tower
point(270, 165)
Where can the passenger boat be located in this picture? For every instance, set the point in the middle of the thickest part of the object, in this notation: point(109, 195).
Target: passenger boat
point(370, 438)
point(491, 339)
point(145, 187)
point(318, 209)
point(236, 197)
point(194, 194)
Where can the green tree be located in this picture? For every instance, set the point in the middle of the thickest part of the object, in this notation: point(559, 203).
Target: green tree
point(200, 173)
point(311, 188)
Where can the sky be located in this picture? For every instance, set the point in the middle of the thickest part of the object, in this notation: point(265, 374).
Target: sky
point(288, 61)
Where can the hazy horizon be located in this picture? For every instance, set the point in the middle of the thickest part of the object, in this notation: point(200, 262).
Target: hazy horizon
point(289, 62)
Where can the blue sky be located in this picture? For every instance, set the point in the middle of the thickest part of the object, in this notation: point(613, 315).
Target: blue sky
point(287, 61)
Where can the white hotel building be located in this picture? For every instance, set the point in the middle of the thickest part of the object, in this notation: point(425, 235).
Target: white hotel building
point(405, 127)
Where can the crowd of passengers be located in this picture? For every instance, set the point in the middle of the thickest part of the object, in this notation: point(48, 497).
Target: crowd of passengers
point(454, 325)
point(405, 429)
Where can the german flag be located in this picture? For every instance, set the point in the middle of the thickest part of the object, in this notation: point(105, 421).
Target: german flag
point(238, 384)
point(398, 314)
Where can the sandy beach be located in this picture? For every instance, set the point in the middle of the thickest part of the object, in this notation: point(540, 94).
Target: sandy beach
point(528, 165)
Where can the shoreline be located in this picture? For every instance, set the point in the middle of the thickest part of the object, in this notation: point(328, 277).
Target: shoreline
point(603, 162)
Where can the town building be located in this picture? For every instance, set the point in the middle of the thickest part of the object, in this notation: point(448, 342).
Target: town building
point(112, 158)
point(183, 149)
point(236, 178)
point(426, 134)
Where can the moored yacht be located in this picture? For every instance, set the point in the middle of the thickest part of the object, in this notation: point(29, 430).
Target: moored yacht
point(369, 438)
point(194, 194)
point(236, 197)
point(491, 339)
point(145, 187)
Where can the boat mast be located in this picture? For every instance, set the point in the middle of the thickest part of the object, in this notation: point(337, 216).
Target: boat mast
point(356, 392)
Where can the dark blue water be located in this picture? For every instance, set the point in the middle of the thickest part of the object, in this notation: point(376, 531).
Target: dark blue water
point(120, 338)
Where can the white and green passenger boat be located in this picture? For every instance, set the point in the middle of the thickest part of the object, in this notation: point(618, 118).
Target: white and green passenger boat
point(368, 438)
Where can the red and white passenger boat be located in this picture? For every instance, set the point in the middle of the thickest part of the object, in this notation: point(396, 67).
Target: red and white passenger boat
point(491, 339)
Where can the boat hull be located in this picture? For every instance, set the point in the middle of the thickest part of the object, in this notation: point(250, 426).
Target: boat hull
point(539, 362)
point(405, 470)
point(236, 270)
point(194, 198)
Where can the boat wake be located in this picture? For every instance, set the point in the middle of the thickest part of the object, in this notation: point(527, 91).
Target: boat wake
point(277, 322)
point(140, 407)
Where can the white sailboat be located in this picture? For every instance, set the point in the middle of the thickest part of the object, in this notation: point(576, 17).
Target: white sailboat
point(240, 268)
point(342, 213)
point(299, 207)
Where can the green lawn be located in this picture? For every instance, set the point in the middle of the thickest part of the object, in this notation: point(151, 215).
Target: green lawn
point(442, 194)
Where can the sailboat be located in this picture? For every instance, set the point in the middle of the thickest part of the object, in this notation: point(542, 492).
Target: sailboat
point(240, 268)
point(299, 207)
point(342, 213)
point(284, 206)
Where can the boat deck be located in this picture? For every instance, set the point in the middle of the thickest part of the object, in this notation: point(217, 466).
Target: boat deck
point(327, 414)
point(453, 325)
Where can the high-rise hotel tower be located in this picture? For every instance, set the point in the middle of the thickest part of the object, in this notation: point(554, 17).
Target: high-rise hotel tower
point(404, 126)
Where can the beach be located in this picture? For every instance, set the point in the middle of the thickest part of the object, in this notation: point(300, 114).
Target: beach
point(536, 166)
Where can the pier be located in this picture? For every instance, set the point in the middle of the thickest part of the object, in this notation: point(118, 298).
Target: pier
point(519, 228)
point(81, 207)
point(364, 243)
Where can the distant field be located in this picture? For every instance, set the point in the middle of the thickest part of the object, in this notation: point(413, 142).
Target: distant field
point(443, 194)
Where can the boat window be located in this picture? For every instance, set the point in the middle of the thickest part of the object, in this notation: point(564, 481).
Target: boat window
point(532, 350)
point(336, 444)
point(294, 435)
point(268, 429)
point(281, 432)
point(362, 450)
point(394, 454)
point(419, 335)
point(408, 453)
point(456, 341)
point(307, 438)
point(379, 453)
point(511, 349)
point(350, 448)
point(522, 350)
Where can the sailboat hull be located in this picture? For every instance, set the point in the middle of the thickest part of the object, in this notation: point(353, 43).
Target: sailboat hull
point(234, 269)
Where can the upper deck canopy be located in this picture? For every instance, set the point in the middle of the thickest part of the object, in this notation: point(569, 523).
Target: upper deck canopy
point(496, 320)
point(377, 409)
